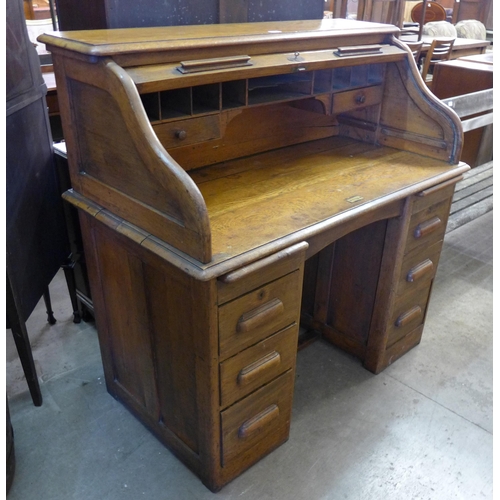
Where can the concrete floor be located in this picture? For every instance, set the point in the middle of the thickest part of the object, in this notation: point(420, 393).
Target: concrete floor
point(422, 429)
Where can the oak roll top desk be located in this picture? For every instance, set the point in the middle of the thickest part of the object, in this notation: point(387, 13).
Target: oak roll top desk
point(234, 181)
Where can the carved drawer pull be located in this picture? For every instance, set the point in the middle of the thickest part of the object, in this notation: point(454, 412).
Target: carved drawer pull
point(427, 227)
point(260, 315)
point(420, 270)
point(255, 369)
point(408, 316)
point(260, 420)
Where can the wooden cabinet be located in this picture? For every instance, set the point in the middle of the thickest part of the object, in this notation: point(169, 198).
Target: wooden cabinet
point(234, 181)
point(36, 245)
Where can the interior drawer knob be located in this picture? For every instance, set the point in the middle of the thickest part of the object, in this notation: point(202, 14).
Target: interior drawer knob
point(260, 420)
point(260, 315)
point(427, 227)
point(180, 134)
point(360, 98)
point(420, 270)
point(408, 316)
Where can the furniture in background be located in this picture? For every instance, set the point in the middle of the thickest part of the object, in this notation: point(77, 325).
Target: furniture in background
point(440, 50)
point(36, 245)
point(99, 14)
point(471, 28)
point(461, 76)
point(232, 181)
point(416, 50)
point(381, 11)
point(10, 451)
point(436, 29)
point(480, 10)
point(77, 268)
point(428, 11)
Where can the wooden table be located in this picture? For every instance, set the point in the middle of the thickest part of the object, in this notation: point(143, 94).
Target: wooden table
point(234, 181)
point(463, 76)
point(461, 48)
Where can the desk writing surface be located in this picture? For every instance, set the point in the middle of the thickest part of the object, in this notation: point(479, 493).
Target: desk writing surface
point(256, 200)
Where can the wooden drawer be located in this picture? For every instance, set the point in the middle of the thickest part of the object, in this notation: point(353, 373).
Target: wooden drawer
point(409, 312)
point(257, 365)
point(259, 423)
point(258, 314)
point(354, 99)
point(432, 196)
point(419, 268)
point(185, 132)
point(258, 273)
point(428, 226)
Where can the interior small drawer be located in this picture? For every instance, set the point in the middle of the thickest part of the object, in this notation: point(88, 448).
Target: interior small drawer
point(257, 365)
point(258, 314)
point(409, 312)
point(419, 268)
point(259, 423)
point(190, 131)
point(354, 99)
point(428, 226)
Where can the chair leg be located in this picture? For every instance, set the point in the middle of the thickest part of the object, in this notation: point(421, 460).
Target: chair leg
point(20, 334)
point(50, 313)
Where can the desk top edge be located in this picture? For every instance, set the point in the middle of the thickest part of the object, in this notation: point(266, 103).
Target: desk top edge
point(107, 42)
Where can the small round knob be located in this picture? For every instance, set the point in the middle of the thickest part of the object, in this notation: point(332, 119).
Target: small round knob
point(360, 98)
point(181, 134)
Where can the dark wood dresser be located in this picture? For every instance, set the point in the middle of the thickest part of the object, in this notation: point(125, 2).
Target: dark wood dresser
point(234, 181)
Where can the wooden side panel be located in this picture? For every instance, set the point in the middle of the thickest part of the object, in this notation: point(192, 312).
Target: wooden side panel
point(149, 337)
point(126, 315)
point(163, 366)
point(117, 161)
point(107, 152)
point(412, 119)
point(173, 347)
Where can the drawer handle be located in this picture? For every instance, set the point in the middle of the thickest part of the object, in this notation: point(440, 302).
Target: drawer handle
point(260, 315)
point(181, 134)
point(255, 369)
point(360, 98)
point(255, 424)
point(420, 270)
point(427, 227)
point(408, 316)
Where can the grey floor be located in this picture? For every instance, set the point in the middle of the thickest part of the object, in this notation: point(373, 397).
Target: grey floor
point(422, 429)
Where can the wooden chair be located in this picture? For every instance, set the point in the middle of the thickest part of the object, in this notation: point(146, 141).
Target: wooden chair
point(440, 50)
point(416, 50)
point(433, 12)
